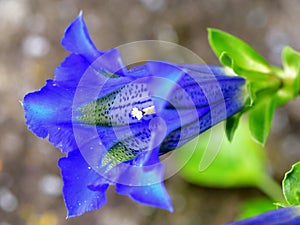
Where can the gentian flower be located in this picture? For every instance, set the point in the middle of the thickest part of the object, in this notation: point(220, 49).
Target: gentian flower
point(283, 216)
point(113, 123)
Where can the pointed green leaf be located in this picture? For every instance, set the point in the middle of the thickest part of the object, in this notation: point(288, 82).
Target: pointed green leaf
point(252, 92)
point(231, 125)
point(251, 75)
point(291, 185)
point(290, 77)
point(260, 119)
point(226, 60)
point(291, 60)
point(296, 85)
point(242, 54)
point(291, 63)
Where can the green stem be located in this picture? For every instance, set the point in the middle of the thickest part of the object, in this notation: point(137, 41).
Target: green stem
point(270, 86)
point(271, 188)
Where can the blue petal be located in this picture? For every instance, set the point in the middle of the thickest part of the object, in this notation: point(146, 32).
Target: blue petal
point(153, 195)
point(163, 77)
point(48, 113)
point(141, 178)
point(204, 89)
point(203, 69)
point(78, 176)
point(70, 71)
point(110, 62)
point(179, 118)
point(283, 216)
point(144, 183)
point(104, 148)
point(205, 120)
point(77, 40)
point(96, 83)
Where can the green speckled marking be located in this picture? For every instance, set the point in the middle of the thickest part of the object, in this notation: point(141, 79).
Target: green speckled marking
point(97, 112)
point(115, 108)
point(118, 154)
point(128, 149)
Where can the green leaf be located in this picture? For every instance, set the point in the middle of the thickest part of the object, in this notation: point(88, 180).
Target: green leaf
point(231, 125)
point(291, 185)
point(289, 86)
point(296, 85)
point(226, 59)
point(252, 92)
point(237, 52)
point(251, 75)
point(260, 119)
point(291, 63)
point(240, 163)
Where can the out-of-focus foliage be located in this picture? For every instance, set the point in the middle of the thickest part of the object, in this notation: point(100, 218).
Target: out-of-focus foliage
point(255, 206)
point(239, 163)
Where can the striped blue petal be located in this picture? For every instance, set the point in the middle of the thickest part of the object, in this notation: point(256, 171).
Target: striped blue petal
point(114, 123)
point(77, 176)
point(283, 216)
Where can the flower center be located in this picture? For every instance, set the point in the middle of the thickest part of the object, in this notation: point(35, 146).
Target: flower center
point(120, 107)
point(128, 148)
point(136, 113)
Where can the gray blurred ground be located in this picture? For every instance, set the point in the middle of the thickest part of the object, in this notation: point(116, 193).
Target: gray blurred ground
point(30, 33)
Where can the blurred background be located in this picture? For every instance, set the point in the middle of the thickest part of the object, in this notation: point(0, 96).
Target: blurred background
point(30, 182)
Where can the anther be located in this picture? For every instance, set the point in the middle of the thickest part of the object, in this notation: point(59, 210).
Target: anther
point(136, 113)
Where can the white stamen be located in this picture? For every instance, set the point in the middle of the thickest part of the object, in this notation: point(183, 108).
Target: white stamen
point(137, 113)
point(149, 110)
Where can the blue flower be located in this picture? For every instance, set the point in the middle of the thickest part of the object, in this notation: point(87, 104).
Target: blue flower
point(283, 216)
point(114, 123)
